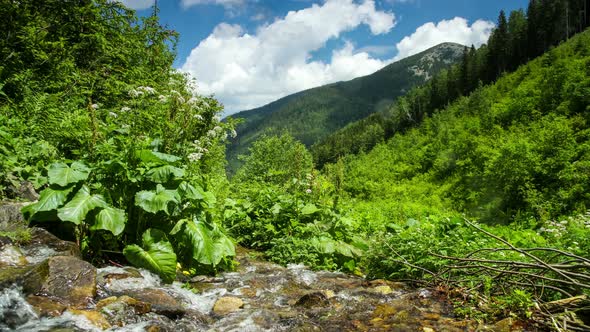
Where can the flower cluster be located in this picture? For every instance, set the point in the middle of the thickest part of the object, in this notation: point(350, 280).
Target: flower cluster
point(557, 228)
point(142, 90)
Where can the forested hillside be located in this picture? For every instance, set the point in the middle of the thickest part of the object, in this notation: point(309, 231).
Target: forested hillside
point(517, 39)
point(313, 114)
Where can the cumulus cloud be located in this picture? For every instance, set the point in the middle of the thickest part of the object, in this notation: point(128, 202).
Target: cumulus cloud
point(456, 30)
point(248, 70)
point(137, 4)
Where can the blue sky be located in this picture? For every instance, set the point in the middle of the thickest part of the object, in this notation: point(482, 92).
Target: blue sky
point(251, 52)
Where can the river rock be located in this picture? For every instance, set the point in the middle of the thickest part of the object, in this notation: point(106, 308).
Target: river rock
point(46, 307)
point(161, 302)
point(10, 215)
point(42, 239)
point(30, 277)
point(227, 304)
point(11, 255)
point(71, 280)
point(95, 317)
point(313, 299)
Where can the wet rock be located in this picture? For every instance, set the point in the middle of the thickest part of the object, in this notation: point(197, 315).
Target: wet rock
point(505, 325)
point(30, 277)
point(95, 317)
point(24, 190)
point(227, 304)
point(114, 303)
point(70, 279)
point(10, 215)
point(384, 289)
point(41, 238)
point(11, 255)
point(313, 300)
point(161, 302)
point(124, 310)
point(46, 307)
point(427, 329)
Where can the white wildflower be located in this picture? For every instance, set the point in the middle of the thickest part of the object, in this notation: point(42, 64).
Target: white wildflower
point(217, 128)
point(162, 98)
point(94, 106)
point(308, 191)
point(192, 101)
point(216, 118)
point(147, 89)
point(234, 134)
point(125, 109)
point(194, 156)
point(211, 133)
point(113, 114)
point(198, 117)
point(135, 93)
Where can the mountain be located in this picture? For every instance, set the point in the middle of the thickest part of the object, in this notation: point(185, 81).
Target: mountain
point(517, 150)
point(313, 114)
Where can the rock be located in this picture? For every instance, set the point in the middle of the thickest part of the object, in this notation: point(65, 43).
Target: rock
point(313, 300)
point(30, 277)
point(10, 215)
point(227, 304)
point(112, 302)
point(46, 307)
point(72, 280)
point(161, 302)
point(11, 255)
point(41, 238)
point(95, 317)
point(505, 325)
point(427, 329)
point(385, 290)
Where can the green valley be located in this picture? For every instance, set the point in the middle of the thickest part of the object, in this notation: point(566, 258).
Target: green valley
point(313, 114)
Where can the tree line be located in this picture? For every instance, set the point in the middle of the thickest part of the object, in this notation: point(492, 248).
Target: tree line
point(517, 38)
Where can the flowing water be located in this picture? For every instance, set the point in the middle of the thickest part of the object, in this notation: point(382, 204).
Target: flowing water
point(259, 296)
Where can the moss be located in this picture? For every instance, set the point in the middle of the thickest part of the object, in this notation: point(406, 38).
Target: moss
point(18, 235)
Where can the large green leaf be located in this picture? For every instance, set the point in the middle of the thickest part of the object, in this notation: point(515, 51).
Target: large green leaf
point(309, 209)
point(110, 219)
point(75, 211)
point(157, 254)
point(208, 244)
point(188, 191)
point(63, 175)
point(155, 201)
point(148, 156)
point(163, 174)
point(50, 199)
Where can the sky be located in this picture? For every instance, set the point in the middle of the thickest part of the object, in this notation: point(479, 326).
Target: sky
point(248, 53)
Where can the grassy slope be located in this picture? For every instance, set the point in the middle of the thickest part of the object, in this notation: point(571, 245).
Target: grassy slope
point(313, 114)
point(514, 150)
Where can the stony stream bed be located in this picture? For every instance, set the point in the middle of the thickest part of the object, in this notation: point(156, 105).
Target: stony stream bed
point(45, 286)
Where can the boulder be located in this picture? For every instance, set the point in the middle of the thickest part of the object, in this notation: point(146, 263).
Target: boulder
point(46, 307)
point(11, 255)
point(41, 238)
point(30, 277)
point(161, 302)
point(10, 215)
point(95, 317)
point(313, 299)
point(70, 279)
point(227, 304)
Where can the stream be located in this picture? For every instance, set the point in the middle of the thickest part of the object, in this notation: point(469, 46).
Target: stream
point(45, 286)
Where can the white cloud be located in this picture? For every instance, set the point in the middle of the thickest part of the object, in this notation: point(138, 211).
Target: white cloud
point(456, 30)
point(138, 4)
point(249, 70)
